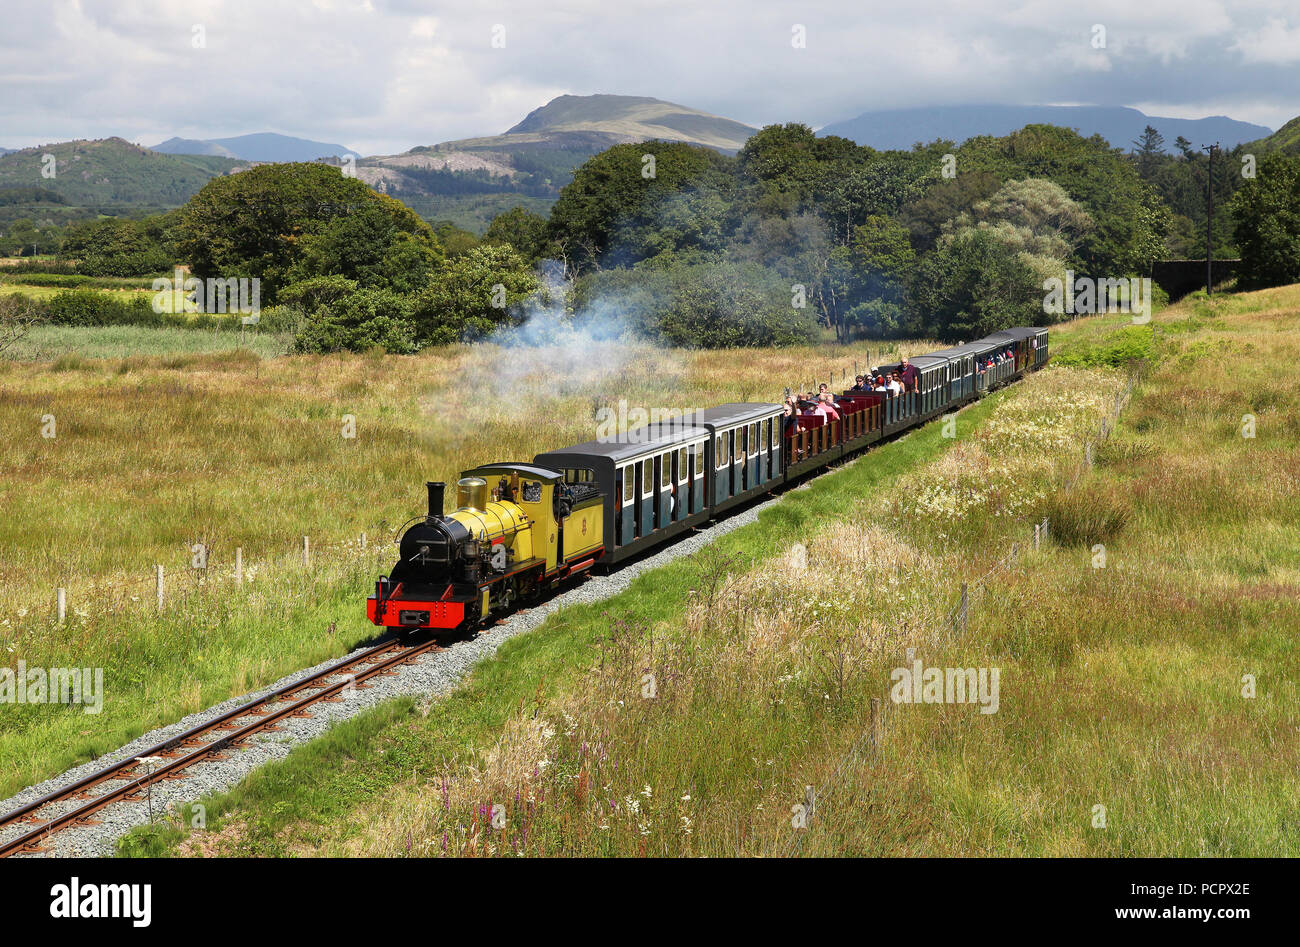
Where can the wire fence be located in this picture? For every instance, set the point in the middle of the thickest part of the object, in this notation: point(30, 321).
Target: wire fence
point(205, 572)
point(869, 743)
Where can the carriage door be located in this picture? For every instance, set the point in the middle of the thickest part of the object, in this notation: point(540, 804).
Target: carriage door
point(721, 468)
point(627, 505)
point(697, 477)
point(665, 501)
point(681, 476)
point(764, 450)
point(737, 445)
point(645, 471)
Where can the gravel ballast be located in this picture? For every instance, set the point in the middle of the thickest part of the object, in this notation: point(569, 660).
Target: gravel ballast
point(431, 675)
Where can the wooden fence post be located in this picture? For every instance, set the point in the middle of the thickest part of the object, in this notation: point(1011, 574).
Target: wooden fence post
point(239, 565)
point(61, 604)
point(876, 725)
point(158, 577)
point(965, 603)
point(306, 553)
point(363, 540)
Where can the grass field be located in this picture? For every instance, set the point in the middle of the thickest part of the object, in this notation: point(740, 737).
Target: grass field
point(170, 301)
point(1121, 686)
point(154, 454)
point(1146, 653)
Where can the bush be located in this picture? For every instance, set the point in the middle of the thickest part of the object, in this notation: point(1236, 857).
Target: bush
point(88, 307)
point(1091, 514)
point(359, 321)
point(1129, 344)
point(39, 266)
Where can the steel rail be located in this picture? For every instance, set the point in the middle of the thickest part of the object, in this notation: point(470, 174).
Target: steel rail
point(236, 734)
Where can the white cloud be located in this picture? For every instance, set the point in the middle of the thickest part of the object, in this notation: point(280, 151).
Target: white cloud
point(1277, 43)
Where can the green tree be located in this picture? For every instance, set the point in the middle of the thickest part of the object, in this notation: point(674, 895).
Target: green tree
point(1148, 150)
point(615, 202)
point(521, 229)
point(1129, 217)
point(475, 294)
point(701, 305)
point(1267, 210)
point(972, 285)
point(370, 246)
point(111, 246)
point(254, 224)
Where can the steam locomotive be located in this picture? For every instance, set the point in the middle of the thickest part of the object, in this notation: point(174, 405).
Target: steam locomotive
point(518, 530)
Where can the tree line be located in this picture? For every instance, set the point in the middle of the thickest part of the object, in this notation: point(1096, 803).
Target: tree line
point(793, 236)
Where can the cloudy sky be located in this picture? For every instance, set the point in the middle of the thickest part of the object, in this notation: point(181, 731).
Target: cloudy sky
point(384, 75)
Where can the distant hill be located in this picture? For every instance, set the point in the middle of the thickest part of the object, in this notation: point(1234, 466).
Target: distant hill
point(263, 146)
point(633, 118)
point(1286, 139)
point(5, 151)
point(110, 172)
point(894, 129)
point(531, 162)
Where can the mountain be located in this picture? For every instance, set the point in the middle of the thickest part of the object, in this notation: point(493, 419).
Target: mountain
point(6, 151)
point(633, 118)
point(263, 146)
point(471, 180)
point(893, 129)
point(1286, 139)
point(112, 173)
point(192, 146)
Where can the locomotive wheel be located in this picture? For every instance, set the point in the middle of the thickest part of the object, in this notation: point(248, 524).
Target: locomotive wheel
point(506, 597)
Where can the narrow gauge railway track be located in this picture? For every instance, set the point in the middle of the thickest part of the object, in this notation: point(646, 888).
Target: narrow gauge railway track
point(202, 743)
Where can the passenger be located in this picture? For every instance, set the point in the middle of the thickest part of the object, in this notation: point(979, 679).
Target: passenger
point(827, 402)
point(882, 387)
point(908, 375)
point(859, 384)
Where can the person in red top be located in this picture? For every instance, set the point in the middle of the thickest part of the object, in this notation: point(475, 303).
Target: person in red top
point(908, 375)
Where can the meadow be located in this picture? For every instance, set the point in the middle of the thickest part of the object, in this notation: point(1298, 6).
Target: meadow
point(1145, 649)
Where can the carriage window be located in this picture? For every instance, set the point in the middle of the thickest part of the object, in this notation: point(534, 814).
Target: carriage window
point(767, 434)
point(532, 492)
point(753, 439)
point(682, 473)
point(699, 459)
point(647, 477)
point(665, 471)
point(628, 495)
point(721, 452)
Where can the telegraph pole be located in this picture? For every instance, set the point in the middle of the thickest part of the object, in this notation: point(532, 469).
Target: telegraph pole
point(1209, 221)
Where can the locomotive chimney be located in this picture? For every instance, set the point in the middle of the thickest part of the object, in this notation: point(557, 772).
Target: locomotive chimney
point(435, 497)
